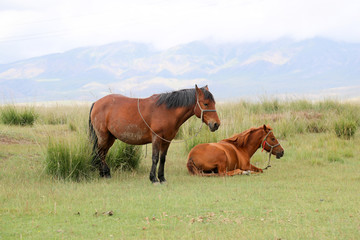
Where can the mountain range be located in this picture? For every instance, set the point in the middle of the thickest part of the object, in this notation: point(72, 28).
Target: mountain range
point(311, 68)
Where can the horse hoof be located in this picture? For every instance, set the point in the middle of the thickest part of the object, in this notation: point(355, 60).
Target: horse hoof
point(162, 179)
point(155, 183)
point(105, 174)
point(246, 173)
point(163, 182)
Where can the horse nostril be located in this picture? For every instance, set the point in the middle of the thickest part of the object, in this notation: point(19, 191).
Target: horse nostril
point(216, 125)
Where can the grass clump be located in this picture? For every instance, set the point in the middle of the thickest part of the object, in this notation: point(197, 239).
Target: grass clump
point(124, 157)
point(13, 116)
point(69, 159)
point(335, 159)
point(345, 128)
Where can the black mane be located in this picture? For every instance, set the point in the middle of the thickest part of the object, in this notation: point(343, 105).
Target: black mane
point(182, 98)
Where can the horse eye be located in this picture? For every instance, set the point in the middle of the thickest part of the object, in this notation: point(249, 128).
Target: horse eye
point(205, 104)
point(273, 139)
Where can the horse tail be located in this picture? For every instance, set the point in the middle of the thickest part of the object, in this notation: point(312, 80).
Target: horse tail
point(94, 140)
point(193, 170)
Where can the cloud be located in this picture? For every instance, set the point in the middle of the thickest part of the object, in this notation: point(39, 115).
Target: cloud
point(39, 27)
point(133, 86)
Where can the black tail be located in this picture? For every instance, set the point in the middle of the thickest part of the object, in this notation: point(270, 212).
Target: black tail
point(94, 140)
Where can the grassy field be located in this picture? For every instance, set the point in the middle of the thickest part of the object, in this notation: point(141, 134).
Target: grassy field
point(313, 192)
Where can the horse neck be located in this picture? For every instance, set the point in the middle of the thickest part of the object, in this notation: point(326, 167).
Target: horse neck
point(255, 140)
point(184, 114)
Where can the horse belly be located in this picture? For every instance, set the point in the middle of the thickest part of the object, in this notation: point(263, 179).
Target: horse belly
point(132, 134)
point(206, 157)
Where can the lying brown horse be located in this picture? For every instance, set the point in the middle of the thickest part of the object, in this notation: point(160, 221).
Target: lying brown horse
point(231, 156)
point(155, 120)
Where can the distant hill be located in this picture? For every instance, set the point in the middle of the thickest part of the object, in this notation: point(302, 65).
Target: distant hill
point(315, 66)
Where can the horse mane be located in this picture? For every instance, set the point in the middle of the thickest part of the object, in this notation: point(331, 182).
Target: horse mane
point(241, 139)
point(182, 98)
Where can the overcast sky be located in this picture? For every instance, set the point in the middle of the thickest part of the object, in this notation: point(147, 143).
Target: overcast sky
point(38, 27)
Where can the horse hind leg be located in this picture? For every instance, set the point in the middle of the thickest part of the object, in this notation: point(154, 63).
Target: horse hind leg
point(191, 167)
point(103, 167)
point(100, 152)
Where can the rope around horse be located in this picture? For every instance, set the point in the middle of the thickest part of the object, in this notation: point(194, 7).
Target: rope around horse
point(272, 146)
point(169, 141)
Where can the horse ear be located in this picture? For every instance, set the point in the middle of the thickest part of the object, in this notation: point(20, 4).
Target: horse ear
point(207, 88)
point(198, 91)
point(265, 128)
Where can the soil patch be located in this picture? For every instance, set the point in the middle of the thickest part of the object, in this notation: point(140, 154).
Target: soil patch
point(6, 140)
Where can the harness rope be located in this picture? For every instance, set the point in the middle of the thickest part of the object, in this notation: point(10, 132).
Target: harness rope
point(271, 146)
point(180, 141)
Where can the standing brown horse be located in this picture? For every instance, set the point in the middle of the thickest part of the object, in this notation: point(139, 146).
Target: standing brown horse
point(231, 156)
point(155, 120)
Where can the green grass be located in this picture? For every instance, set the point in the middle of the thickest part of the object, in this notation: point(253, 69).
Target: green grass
point(311, 193)
point(69, 159)
point(12, 115)
point(124, 157)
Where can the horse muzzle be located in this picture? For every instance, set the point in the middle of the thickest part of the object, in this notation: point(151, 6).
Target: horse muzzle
point(213, 126)
point(280, 154)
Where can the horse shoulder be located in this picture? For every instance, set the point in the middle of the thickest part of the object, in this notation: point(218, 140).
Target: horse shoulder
point(233, 153)
point(222, 151)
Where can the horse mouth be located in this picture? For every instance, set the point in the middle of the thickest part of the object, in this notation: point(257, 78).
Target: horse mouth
point(213, 126)
point(279, 155)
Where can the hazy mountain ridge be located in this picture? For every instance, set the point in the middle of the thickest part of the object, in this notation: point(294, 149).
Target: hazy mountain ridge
point(231, 70)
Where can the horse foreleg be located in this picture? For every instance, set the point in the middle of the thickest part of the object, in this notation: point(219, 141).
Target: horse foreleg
point(235, 172)
point(164, 150)
point(255, 169)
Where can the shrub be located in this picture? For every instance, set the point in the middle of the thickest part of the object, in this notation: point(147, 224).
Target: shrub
point(345, 128)
point(12, 116)
point(124, 157)
point(69, 159)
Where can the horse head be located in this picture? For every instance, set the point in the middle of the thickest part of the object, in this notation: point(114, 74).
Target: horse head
point(205, 108)
point(271, 144)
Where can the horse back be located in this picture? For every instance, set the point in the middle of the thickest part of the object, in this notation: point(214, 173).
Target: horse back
point(118, 115)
